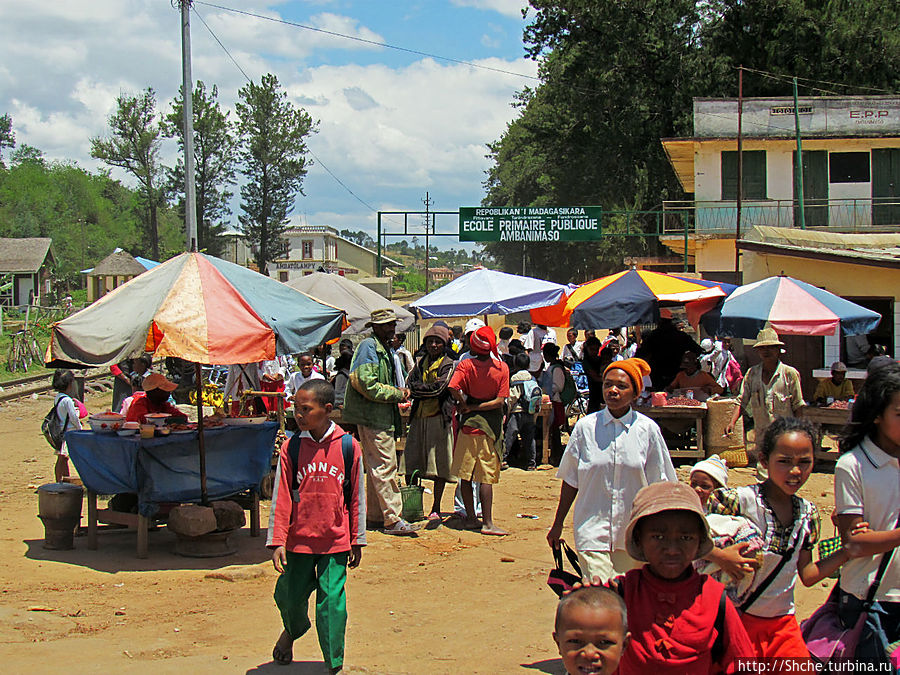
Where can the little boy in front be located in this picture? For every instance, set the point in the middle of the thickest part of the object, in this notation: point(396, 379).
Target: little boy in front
point(317, 526)
point(591, 630)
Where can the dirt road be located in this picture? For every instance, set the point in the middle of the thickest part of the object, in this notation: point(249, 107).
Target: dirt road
point(448, 601)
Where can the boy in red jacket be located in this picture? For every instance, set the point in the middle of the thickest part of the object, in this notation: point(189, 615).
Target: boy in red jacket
point(317, 526)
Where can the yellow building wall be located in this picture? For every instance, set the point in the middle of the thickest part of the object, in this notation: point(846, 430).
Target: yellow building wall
point(353, 256)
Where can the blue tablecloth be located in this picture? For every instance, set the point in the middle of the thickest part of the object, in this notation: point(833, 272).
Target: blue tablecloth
point(167, 469)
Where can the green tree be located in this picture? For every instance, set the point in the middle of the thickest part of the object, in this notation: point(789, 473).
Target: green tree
point(362, 238)
point(619, 75)
point(215, 151)
point(273, 151)
point(134, 146)
point(7, 136)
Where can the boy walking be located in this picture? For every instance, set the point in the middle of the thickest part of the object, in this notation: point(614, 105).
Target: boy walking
point(523, 390)
point(316, 528)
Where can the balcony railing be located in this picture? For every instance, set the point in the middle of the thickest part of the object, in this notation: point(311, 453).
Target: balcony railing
point(843, 215)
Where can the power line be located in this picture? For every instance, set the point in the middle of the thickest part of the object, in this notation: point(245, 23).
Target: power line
point(319, 161)
point(374, 43)
point(224, 48)
point(807, 79)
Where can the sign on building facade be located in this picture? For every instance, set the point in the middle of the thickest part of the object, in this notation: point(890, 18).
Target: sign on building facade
point(530, 223)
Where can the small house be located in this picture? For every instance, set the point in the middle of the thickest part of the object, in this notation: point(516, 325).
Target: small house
point(25, 270)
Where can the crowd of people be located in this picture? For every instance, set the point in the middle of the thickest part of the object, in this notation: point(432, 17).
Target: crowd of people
point(674, 577)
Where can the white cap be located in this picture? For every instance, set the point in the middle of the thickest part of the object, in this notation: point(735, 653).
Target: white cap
point(472, 325)
point(715, 467)
point(706, 345)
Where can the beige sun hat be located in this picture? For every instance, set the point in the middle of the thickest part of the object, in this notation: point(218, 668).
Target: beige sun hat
point(665, 496)
point(380, 316)
point(767, 337)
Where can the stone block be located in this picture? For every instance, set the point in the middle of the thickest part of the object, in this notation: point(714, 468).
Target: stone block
point(192, 520)
point(229, 515)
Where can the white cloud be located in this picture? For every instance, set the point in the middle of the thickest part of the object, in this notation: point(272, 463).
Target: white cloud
point(389, 133)
point(506, 7)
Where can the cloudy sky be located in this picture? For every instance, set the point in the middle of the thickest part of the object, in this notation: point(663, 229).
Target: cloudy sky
point(392, 124)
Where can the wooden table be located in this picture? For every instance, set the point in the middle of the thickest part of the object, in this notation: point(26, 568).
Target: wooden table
point(681, 414)
point(163, 470)
point(832, 421)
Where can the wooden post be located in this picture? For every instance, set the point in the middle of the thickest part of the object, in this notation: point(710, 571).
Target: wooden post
point(143, 527)
point(254, 513)
point(92, 520)
point(201, 443)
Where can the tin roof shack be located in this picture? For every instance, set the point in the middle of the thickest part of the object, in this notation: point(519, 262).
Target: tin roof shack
point(863, 268)
point(851, 172)
point(25, 270)
point(111, 272)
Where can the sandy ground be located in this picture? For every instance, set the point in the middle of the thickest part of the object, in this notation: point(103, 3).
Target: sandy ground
point(448, 601)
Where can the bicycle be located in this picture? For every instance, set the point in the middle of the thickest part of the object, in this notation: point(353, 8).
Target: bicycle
point(24, 349)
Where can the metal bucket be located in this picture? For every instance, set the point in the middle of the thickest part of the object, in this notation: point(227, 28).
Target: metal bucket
point(59, 508)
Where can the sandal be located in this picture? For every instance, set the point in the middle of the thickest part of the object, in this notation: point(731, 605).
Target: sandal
point(434, 515)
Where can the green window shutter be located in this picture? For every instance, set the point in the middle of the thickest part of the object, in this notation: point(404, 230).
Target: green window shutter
point(754, 177)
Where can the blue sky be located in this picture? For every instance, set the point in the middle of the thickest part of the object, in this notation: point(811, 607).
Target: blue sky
point(391, 124)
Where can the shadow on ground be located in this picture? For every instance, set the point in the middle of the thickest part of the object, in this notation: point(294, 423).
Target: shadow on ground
point(549, 666)
point(116, 552)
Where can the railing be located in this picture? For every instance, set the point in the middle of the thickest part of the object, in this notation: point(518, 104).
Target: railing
point(845, 215)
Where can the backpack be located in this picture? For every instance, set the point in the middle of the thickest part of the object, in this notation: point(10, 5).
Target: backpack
point(346, 451)
point(532, 396)
point(54, 430)
point(569, 391)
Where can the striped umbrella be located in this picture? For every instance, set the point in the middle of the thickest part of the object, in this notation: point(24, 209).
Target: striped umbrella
point(198, 308)
point(627, 298)
point(791, 307)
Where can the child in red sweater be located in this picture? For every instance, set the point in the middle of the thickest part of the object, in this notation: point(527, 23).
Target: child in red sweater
point(317, 526)
point(680, 621)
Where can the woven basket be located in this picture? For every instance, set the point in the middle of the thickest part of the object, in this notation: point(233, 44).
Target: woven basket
point(715, 441)
point(735, 457)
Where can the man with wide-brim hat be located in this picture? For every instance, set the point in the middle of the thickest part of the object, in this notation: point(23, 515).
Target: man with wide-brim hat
point(771, 388)
point(371, 402)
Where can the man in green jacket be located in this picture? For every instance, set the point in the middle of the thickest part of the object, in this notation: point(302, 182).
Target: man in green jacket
point(371, 403)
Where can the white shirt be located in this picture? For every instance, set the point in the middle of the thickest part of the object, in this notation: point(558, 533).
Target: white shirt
point(296, 380)
point(608, 460)
point(867, 484)
point(67, 412)
point(534, 340)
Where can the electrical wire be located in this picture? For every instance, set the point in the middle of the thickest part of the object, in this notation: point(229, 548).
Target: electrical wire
point(374, 43)
point(315, 158)
point(807, 79)
point(224, 48)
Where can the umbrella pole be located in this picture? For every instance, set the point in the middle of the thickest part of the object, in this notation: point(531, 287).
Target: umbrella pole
point(198, 375)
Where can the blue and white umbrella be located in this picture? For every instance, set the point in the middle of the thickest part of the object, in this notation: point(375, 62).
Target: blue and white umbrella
point(791, 307)
point(484, 291)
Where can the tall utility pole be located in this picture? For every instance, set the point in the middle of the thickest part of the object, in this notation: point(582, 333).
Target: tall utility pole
point(427, 201)
point(187, 95)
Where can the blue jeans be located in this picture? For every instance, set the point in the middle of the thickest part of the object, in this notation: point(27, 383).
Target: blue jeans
point(882, 627)
point(521, 424)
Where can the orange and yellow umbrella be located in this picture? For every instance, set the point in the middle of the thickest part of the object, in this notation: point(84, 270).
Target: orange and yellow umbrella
point(627, 298)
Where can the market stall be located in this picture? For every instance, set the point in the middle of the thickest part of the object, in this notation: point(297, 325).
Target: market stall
point(167, 469)
point(678, 419)
point(832, 420)
point(207, 311)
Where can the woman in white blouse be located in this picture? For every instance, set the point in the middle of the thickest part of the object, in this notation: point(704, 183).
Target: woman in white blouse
point(611, 455)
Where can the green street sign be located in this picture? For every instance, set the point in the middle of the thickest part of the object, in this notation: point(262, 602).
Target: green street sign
point(530, 223)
